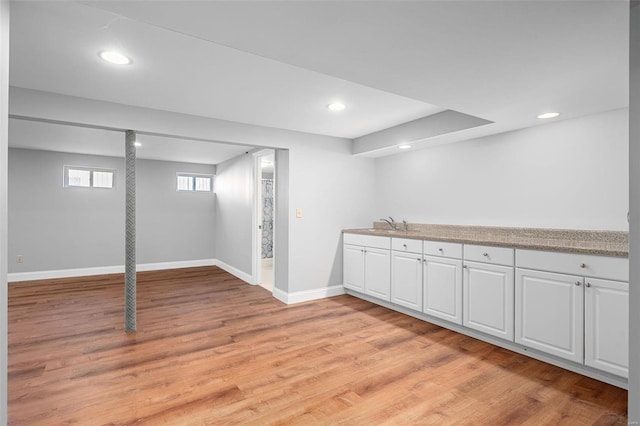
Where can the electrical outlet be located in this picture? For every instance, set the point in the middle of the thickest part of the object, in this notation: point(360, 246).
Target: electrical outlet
point(298, 213)
point(19, 258)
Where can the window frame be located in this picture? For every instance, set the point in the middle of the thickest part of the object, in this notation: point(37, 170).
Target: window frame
point(91, 170)
point(193, 182)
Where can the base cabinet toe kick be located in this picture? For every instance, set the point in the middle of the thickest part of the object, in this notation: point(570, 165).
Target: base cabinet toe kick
point(567, 309)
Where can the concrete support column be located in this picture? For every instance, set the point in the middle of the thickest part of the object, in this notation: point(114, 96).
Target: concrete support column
point(130, 233)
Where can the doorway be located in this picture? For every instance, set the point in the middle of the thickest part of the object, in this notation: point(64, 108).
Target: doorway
point(265, 210)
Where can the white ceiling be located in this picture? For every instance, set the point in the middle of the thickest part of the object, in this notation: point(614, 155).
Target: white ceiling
point(54, 47)
point(278, 63)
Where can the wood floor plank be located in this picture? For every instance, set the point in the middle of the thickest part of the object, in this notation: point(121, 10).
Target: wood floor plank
point(211, 349)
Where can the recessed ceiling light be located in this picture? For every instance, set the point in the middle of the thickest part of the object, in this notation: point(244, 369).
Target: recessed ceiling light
point(336, 106)
point(114, 57)
point(137, 144)
point(549, 115)
point(404, 146)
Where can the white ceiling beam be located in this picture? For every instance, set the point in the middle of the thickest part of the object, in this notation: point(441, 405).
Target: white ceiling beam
point(417, 130)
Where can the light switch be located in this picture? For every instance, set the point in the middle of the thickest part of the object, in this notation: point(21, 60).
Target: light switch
point(298, 213)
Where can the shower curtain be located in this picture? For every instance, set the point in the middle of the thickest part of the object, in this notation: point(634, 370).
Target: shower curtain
point(267, 218)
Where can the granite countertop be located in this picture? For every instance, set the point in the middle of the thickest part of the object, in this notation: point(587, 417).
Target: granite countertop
point(604, 243)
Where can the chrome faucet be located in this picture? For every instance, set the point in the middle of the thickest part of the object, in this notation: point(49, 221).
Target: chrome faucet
point(392, 223)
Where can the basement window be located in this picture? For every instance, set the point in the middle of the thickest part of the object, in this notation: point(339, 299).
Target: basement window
point(193, 182)
point(88, 177)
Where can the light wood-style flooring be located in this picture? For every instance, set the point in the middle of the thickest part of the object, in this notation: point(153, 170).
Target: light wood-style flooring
point(211, 349)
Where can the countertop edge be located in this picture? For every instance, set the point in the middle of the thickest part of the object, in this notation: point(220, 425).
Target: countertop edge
point(557, 246)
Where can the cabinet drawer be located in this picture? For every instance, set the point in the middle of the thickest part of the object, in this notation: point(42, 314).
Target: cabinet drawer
point(437, 248)
point(487, 254)
point(368, 240)
point(613, 268)
point(406, 245)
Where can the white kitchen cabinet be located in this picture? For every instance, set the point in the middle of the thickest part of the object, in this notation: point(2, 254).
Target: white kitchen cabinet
point(488, 298)
point(353, 267)
point(549, 312)
point(587, 323)
point(571, 308)
point(367, 264)
point(607, 326)
point(406, 279)
point(377, 273)
point(443, 288)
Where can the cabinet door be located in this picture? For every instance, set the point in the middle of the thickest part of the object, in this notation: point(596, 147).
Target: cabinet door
point(443, 288)
point(377, 273)
point(488, 298)
point(607, 326)
point(353, 267)
point(406, 279)
point(549, 313)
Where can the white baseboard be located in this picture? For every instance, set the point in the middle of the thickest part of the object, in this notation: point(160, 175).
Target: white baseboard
point(235, 271)
point(280, 295)
point(175, 265)
point(117, 269)
point(63, 273)
point(307, 295)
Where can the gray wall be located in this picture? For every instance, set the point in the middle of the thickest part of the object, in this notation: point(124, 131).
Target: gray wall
point(55, 227)
point(335, 190)
point(234, 212)
point(172, 225)
point(566, 174)
point(345, 199)
point(281, 227)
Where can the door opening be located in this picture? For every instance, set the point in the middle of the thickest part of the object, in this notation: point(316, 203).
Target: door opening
point(265, 210)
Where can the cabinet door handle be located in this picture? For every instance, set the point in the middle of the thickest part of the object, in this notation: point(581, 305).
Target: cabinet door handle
point(583, 265)
point(404, 245)
point(418, 259)
point(578, 283)
point(441, 250)
point(464, 266)
point(588, 284)
point(485, 254)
